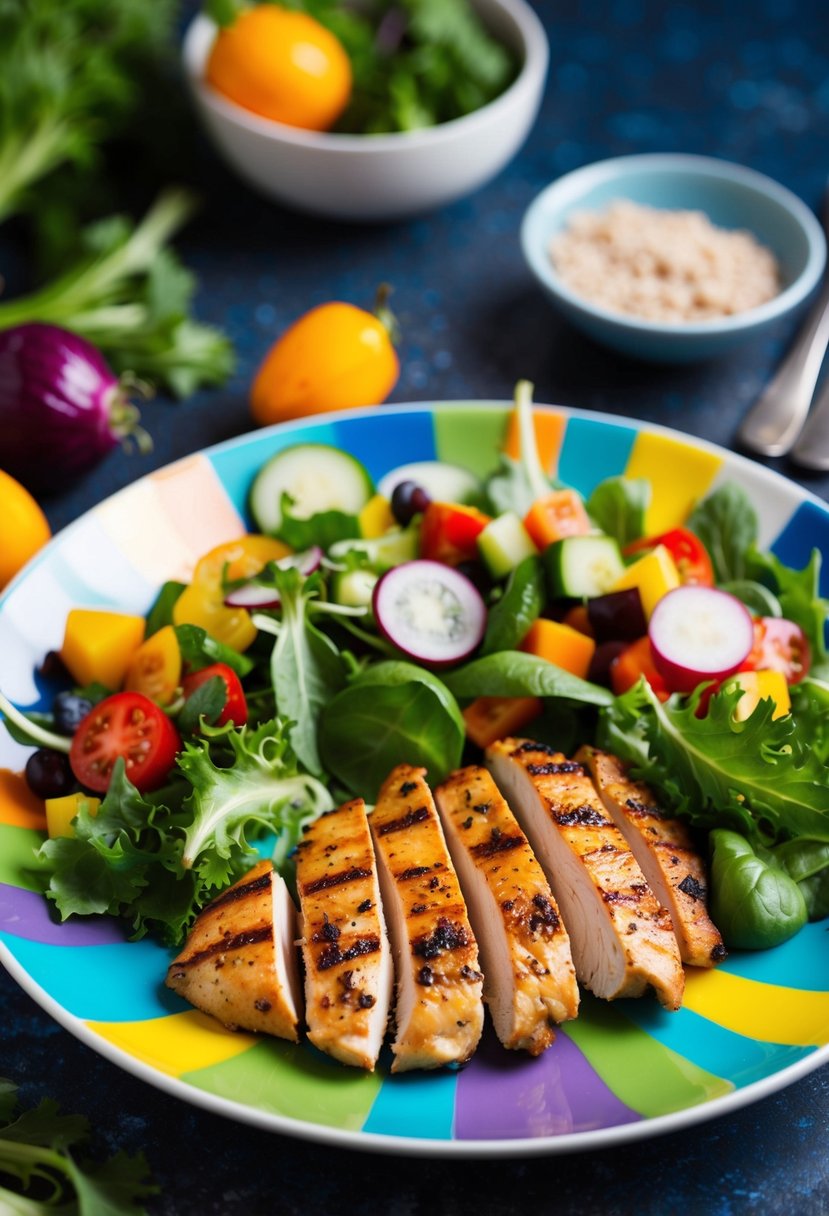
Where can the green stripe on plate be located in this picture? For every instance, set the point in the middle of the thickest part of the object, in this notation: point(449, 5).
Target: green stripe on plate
point(470, 436)
point(18, 865)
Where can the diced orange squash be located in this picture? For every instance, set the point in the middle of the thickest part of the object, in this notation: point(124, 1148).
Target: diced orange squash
point(491, 718)
point(155, 668)
point(560, 644)
point(655, 575)
point(561, 513)
point(98, 645)
point(61, 811)
point(376, 517)
point(758, 686)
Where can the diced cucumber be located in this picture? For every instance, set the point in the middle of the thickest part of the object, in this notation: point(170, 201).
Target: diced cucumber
point(442, 482)
point(582, 566)
point(316, 476)
point(354, 588)
point(504, 543)
point(382, 552)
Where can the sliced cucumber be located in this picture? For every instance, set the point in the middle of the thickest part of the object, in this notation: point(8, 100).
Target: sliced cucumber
point(442, 482)
point(317, 478)
point(582, 566)
point(354, 588)
point(381, 552)
point(504, 543)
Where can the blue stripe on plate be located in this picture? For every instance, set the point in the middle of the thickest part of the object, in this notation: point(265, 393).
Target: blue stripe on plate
point(593, 450)
point(118, 983)
point(807, 529)
point(414, 1104)
point(801, 962)
point(385, 440)
point(714, 1048)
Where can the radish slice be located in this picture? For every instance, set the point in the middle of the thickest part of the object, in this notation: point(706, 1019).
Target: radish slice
point(255, 594)
point(699, 633)
point(430, 612)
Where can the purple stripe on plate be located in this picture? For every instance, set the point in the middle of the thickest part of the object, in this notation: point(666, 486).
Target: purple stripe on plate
point(26, 914)
point(503, 1095)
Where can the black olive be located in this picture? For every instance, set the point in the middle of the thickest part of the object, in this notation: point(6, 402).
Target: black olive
point(48, 773)
point(70, 709)
point(407, 500)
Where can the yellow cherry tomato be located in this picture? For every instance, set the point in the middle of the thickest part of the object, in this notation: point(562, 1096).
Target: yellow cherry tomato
point(155, 667)
point(282, 65)
point(202, 602)
point(23, 527)
point(335, 357)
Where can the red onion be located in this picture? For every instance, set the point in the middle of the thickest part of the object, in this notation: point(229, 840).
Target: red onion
point(61, 407)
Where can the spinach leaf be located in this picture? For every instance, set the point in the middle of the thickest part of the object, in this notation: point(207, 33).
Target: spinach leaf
point(199, 649)
point(726, 523)
point(756, 597)
point(391, 713)
point(617, 506)
point(161, 613)
point(207, 701)
point(511, 673)
point(754, 904)
point(510, 617)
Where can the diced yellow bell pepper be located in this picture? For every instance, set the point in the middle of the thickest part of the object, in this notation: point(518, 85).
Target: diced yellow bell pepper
point(155, 667)
point(560, 644)
point(654, 575)
point(61, 811)
point(376, 518)
point(98, 645)
point(758, 686)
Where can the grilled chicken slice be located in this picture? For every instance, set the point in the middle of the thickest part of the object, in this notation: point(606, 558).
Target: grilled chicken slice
point(529, 979)
point(348, 966)
point(621, 937)
point(240, 960)
point(665, 851)
point(439, 1011)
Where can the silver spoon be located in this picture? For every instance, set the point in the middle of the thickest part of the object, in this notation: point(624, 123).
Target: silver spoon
point(812, 447)
point(775, 420)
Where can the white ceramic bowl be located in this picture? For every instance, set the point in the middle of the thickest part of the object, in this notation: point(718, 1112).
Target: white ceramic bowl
point(378, 177)
point(732, 196)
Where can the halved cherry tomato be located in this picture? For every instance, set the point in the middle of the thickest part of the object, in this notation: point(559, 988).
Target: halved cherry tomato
point(634, 661)
point(235, 707)
point(779, 645)
point(689, 553)
point(127, 725)
point(202, 602)
point(449, 532)
point(155, 667)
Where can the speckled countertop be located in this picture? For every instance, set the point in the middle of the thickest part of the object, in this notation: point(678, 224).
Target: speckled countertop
point(747, 82)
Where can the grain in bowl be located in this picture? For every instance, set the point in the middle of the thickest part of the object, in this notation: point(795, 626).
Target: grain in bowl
point(668, 266)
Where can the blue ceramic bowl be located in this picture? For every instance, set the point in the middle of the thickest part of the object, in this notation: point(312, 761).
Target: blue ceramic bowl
point(730, 195)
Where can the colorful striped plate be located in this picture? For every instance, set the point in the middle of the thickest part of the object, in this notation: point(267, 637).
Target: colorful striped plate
point(620, 1071)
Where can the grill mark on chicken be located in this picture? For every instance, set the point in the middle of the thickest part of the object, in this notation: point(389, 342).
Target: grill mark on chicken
point(439, 1011)
point(239, 962)
point(405, 821)
point(622, 938)
point(529, 746)
point(529, 979)
point(348, 967)
point(335, 880)
point(664, 848)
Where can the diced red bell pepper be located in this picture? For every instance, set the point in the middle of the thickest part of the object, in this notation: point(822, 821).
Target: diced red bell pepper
point(689, 553)
point(449, 532)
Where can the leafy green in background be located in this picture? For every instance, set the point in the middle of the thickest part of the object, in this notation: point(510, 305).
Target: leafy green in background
point(43, 1170)
point(415, 63)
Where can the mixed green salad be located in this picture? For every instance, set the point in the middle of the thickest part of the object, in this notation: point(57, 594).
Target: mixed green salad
point(415, 621)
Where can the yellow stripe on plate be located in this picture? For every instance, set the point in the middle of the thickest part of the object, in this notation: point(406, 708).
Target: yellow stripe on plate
point(178, 1043)
point(679, 473)
point(790, 1016)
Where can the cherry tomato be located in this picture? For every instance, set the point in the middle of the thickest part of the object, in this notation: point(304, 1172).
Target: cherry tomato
point(779, 645)
point(155, 668)
point(235, 707)
point(23, 527)
point(335, 357)
point(283, 65)
point(202, 602)
point(687, 550)
point(130, 725)
point(634, 661)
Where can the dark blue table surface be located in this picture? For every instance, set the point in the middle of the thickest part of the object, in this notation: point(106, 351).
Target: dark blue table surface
point(746, 82)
